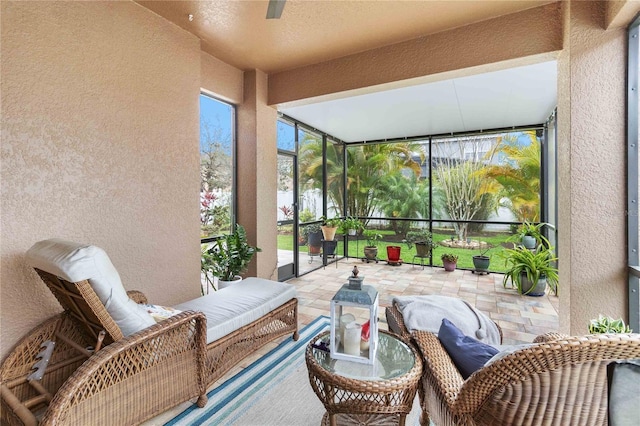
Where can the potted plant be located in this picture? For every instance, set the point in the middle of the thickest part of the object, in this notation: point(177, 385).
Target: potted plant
point(229, 256)
point(530, 271)
point(351, 226)
point(530, 235)
point(393, 255)
point(605, 324)
point(423, 241)
point(313, 235)
point(371, 247)
point(449, 261)
point(205, 269)
point(329, 227)
point(481, 261)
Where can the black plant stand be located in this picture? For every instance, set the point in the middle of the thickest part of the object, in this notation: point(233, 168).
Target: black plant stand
point(422, 258)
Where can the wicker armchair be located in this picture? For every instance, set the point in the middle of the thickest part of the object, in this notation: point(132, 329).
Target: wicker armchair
point(559, 381)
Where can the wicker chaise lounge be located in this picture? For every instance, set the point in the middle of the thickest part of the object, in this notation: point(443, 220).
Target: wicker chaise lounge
point(560, 380)
point(112, 364)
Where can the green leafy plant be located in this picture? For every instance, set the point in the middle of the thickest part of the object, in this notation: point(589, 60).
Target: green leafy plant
point(350, 223)
point(484, 248)
point(229, 255)
point(532, 230)
point(449, 257)
point(205, 262)
point(331, 223)
point(532, 264)
point(604, 324)
point(312, 228)
point(306, 215)
point(372, 237)
point(419, 237)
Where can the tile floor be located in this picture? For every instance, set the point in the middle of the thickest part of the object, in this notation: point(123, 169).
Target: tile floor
point(521, 318)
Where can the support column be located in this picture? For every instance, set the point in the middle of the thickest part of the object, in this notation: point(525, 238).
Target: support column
point(591, 168)
point(257, 173)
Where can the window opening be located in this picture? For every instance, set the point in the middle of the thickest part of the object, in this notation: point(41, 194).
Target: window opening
point(217, 171)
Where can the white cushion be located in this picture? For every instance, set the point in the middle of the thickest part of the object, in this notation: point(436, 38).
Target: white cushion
point(77, 262)
point(240, 304)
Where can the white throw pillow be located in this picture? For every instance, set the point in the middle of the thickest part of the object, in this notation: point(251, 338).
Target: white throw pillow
point(77, 262)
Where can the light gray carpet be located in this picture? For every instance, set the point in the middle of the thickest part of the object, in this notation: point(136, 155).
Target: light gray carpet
point(273, 391)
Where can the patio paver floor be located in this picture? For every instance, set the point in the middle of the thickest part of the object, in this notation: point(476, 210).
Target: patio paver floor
point(522, 318)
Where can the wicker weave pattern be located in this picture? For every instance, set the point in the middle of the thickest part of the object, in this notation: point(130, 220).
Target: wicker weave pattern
point(64, 361)
point(80, 301)
point(561, 382)
point(224, 353)
point(344, 395)
point(138, 376)
point(145, 372)
point(438, 369)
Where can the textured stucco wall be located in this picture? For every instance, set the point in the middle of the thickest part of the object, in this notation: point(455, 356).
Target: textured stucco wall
point(592, 172)
point(99, 128)
point(532, 32)
point(221, 79)
point(257, 173)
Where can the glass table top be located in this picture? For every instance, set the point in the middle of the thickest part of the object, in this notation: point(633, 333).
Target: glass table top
point(393, 359)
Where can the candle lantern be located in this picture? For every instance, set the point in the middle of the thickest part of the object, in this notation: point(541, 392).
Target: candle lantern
point(350, 340)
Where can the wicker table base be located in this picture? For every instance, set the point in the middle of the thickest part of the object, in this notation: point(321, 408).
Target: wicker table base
point(362, 419)
point(355, 395)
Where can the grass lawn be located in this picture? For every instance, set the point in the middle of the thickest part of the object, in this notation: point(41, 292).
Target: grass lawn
point(356, 248)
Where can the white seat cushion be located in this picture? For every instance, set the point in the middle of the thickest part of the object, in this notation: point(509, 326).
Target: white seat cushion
point(75, 262)
point(240, 304)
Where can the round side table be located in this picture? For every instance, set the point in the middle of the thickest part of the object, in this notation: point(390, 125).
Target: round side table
point(363, 393)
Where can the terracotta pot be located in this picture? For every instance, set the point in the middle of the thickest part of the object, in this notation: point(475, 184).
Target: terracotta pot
point(371, 253)
point(314, 249)
point(329, 232)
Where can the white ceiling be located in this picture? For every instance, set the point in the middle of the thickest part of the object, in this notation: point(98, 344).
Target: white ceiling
point(513, 97)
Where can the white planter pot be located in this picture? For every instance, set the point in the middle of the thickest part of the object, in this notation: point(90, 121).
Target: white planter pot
point(222, 284)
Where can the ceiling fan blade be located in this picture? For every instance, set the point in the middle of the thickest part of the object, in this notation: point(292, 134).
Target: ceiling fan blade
point(275, 8)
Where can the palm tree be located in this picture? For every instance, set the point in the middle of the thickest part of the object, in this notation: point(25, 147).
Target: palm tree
point(310, 160)
point(517, 180)
point(410, 199)
point(367, 166)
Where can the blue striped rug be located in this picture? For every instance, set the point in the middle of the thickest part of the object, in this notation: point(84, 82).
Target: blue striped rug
point(229, 402)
